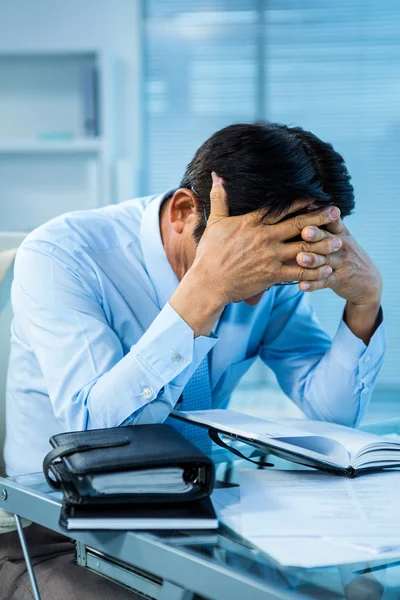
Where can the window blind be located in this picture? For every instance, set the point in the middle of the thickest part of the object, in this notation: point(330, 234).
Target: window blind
point(333, 68)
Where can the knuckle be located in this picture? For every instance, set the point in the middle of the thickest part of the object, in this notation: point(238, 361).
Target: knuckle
point(304, 247)
point(267, 235)
point(298, 222)
point(303, 274)
point(323, 235)
point(324, 215)
point(332, 278)
point(322, 273)
point(318, 274)
point(215, 193)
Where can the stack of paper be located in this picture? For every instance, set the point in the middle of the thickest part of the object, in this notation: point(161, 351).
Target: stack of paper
point(312, 519)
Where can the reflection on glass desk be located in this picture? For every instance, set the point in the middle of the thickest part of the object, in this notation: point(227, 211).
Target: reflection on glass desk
point(230, 553)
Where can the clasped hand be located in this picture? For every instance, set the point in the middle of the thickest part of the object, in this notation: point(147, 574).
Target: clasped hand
point(243, 256)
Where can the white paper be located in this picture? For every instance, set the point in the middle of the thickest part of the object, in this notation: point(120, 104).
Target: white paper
point(142, 481)
point(316, 552)
point(226, 503)
point(308, 503)
point(305, 551)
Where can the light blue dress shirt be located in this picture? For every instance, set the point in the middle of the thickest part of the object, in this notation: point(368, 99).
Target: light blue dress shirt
point(95, 342)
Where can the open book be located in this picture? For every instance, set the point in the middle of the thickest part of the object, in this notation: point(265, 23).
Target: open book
point(318, 444)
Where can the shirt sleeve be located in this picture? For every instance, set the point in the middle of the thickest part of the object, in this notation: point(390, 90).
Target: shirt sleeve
point(328, 380)
point(90, 381)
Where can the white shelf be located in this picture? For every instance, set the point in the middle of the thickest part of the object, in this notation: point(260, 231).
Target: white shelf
point(73, 146)
point(52, 105)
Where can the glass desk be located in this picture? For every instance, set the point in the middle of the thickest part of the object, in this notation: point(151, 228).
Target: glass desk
point(221, 566)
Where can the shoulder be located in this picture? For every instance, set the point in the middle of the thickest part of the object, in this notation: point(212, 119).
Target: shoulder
point(96, 229)
point(71, 241)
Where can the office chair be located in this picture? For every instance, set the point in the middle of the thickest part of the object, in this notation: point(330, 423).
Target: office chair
point(9, 522)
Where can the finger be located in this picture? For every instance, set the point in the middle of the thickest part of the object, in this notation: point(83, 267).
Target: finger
point(218, 203)
point(326, 246)
point(312, 260)
point(313, 286)
point(289, 273)
point(336, 227)
point(300, 204)
point(294, 226)
point(314, 234)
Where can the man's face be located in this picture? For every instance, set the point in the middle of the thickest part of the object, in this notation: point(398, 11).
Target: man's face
point(179, 217)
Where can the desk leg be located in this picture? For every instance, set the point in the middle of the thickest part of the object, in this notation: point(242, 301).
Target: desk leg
point(25, 550)
point(170, 591)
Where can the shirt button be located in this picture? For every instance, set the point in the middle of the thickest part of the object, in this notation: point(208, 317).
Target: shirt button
point(367, 359)
point(177, 358)
point(147, 392)
point(365, 390)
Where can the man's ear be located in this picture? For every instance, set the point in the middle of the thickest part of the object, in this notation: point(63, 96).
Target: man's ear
point(184, 208)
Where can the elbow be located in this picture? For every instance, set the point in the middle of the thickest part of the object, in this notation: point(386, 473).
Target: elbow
point(332, 414)
point(73, 411)
point(333, 406)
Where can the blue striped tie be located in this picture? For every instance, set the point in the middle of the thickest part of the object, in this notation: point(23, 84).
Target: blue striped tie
point(196, 396)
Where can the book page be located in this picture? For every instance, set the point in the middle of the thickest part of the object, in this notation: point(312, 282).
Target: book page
point(313, 503)
point(353, 440)
point(240, 423)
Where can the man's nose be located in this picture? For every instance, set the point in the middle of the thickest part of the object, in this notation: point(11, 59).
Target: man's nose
point(254, 299)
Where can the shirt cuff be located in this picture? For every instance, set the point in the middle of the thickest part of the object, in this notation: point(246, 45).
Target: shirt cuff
point(351, 352)
point(168, 347)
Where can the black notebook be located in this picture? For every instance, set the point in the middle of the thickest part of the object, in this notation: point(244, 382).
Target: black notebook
point(136, 477)
point(199, 515)
point(124, 465)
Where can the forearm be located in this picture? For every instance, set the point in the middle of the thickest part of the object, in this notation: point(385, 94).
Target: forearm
point(151, 377)
point(362, 320)
point(197, 302)
point(328, 380)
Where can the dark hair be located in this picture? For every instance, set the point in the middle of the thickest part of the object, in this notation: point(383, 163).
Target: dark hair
point(266, 166)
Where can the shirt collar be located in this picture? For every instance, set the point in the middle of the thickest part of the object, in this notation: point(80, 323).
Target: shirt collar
point(157, 265)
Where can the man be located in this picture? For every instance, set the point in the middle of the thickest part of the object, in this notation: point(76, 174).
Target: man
point(116, 308)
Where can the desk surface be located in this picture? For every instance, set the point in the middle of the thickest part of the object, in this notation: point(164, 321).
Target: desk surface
point(217, 566)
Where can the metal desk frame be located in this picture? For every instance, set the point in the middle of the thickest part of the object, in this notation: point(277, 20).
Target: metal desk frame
point(136, 561)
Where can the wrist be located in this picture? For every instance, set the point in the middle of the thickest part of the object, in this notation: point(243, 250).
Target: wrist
point(370, 305)
point(201, 280)
point(362, 318)
point(197, 302)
